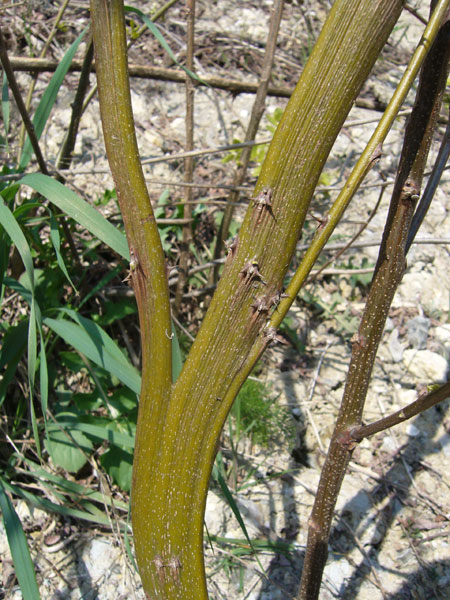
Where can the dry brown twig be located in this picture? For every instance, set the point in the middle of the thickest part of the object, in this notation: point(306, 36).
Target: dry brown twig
point(188, 161)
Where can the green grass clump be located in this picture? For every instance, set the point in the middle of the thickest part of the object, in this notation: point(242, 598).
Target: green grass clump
point(258, 416)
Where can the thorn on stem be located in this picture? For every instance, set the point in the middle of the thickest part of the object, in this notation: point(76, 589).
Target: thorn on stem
point(263, 202)
point(321, 220)
point(231, 246)
point(250, 271)
point(270, 333)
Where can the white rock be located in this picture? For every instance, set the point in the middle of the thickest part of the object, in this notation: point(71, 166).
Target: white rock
point(405, 397)
point(352, 497)
point(251, 513)
point(445, 443)
point(388, 444)
point(426, 366)
point(442, 334)
point(337, 572)
point(214, 513)
point(417, 332)
point(424, 288)
point(412, 430)
point(99, 558)
point(395, 347)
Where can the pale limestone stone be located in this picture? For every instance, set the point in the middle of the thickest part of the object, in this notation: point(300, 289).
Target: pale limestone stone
point(425, 365)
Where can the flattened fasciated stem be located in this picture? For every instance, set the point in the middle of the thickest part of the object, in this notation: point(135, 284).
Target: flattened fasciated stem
point(253, 272)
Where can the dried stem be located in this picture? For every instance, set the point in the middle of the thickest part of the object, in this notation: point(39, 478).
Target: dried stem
point(65, 156)
point(21, 105)
point(189, 160)
point(235, 86)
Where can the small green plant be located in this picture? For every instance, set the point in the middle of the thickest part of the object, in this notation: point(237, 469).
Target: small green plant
point(258, 153)
point(257, 415)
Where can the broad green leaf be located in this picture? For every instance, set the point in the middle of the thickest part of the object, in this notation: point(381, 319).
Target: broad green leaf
point(20, 553)
point(118, 463)
point(98, 335)
point(123, 400)
point(116, 310)
point(103, 433)
point(90, 339)
point(79, 210)
point(48, 99)
point(68, 447)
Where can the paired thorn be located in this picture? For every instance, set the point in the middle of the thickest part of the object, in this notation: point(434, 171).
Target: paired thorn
point(134, 264)
point(270, 334)
point(275, 299)
point(250, 271)
point(321, 220)
point(263, 202)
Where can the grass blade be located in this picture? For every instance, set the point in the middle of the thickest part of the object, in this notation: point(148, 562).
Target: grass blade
point(91, 340)
point(217, 475)
point(32, 359)
point(159, 36)
point(12, 228)
point(66, 511)
point(48, 100)
point(177, 359)
point(56, 242)
point(79, 210)
point(19, 549)
point(100, 432)
point(74, 490)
